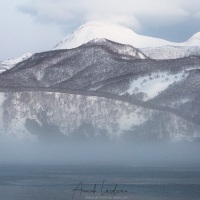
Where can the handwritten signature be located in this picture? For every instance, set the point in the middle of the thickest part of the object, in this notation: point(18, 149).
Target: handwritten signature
point(103, 191)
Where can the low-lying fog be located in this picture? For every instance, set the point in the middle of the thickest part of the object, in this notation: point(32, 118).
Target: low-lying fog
point(16, 151)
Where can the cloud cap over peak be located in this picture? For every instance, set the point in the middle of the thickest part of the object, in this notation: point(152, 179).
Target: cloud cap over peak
point(127, 12)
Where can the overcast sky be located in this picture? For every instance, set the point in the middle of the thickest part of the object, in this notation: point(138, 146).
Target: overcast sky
point(37, 25)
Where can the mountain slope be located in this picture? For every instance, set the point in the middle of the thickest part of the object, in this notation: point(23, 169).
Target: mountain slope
point(73, 116)
point(183, 95)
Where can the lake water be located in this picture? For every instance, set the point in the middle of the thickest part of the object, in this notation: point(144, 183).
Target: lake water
point(26, 182)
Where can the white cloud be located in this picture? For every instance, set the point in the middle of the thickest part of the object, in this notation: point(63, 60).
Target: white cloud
point(116, 19)
point(127, 12)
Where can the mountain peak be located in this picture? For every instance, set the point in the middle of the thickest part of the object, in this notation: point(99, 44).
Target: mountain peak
point(113, 32)
point(119, 34)
point(96, 30)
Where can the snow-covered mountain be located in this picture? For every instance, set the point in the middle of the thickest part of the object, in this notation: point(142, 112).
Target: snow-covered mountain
point(105, 88)
point(154, 48)
point(9, 63)
point(100, 89)
point(115, 33)
point(119, 34)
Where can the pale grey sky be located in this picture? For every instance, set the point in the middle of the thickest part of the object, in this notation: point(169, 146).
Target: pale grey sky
point(37, 25)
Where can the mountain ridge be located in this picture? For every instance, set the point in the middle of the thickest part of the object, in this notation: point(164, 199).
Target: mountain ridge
point(149, 46)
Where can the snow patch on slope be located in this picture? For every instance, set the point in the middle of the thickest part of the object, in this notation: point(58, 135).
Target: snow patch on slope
point(152, 85)
point(9, 63)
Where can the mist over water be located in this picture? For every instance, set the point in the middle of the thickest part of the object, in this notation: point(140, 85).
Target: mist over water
point(94, 152)
point(52, 168)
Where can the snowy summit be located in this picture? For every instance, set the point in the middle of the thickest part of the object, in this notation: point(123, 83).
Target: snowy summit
point(119, 34)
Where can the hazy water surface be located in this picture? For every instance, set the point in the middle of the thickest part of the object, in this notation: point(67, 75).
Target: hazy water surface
point(52, 182)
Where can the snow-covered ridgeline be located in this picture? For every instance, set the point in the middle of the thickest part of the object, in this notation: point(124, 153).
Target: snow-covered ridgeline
point(9, 63)
point(171, 52)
